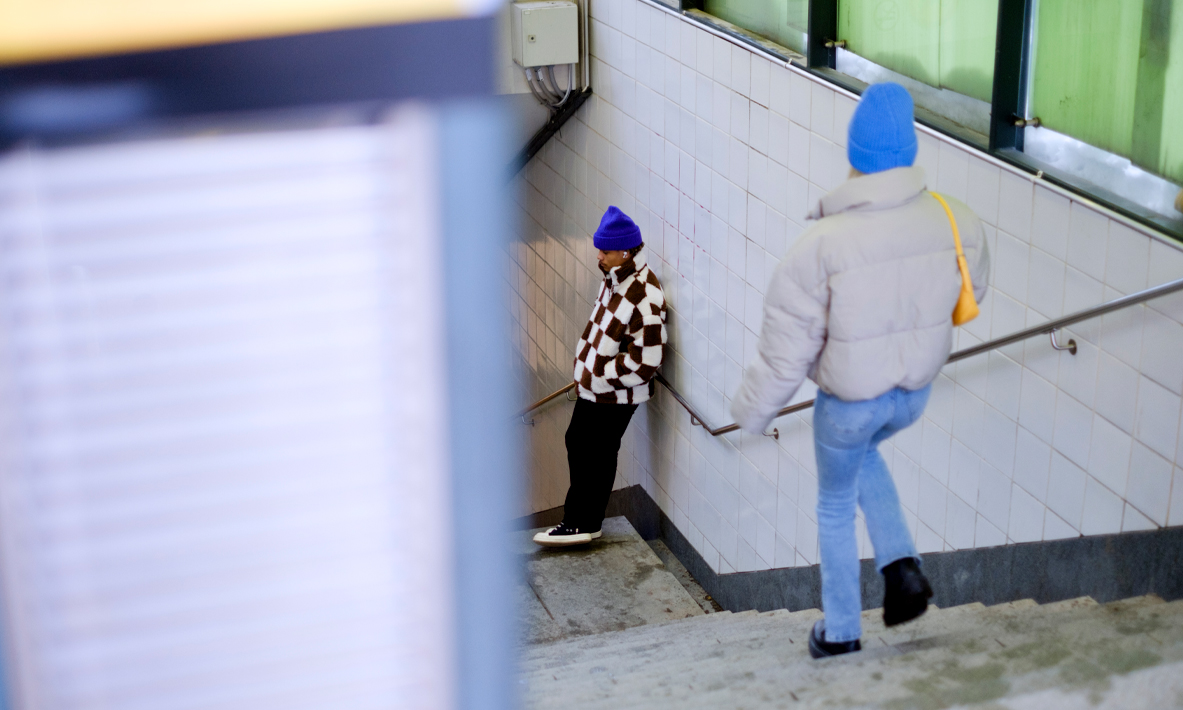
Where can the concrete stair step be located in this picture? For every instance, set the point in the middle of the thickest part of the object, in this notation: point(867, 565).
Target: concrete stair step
point(752, 635)
point(770, 667)
point(992, 628)
point(1133, 661)
point(683, 632)
point(956, 668)
point(613, 680)
point(1009, 653)
point(875, 634)
point(777, 612)
point(1080, 602)
point(1146, 689)
point(607, 645)
point(610, 647)
point(630, 655)
point(781, 645)
point(789, 641)
point(599, 640)
point(570, 650)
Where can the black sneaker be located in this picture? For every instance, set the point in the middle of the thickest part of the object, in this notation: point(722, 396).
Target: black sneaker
point(907, 592)
point(819, 647)
point(564, 535)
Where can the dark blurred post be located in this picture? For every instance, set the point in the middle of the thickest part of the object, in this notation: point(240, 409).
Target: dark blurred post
point(486, 469)
point(255, 381)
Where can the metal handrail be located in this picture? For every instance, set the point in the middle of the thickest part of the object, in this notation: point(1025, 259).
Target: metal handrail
point(1048, 328)
point(553, 395)
point(1053, 325)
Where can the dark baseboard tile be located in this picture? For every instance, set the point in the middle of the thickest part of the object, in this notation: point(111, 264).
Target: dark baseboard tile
point(1105, 567)
point(632, 502)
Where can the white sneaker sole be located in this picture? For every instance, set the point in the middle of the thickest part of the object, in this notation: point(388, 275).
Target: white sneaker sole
point(547, 540)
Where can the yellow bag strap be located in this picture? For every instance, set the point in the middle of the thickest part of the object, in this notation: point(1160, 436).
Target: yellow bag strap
point(961, 264)
point(956, 232)
point(967, 306)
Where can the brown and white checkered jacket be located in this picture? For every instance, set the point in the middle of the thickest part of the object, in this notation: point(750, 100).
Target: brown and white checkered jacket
point(621, 347)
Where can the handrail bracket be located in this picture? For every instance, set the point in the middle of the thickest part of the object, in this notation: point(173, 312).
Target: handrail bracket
point(1070, 347)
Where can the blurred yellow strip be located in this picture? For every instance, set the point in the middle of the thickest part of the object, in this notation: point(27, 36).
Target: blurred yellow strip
point(41, 30)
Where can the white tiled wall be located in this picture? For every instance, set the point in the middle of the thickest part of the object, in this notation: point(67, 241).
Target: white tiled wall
point(717, 151)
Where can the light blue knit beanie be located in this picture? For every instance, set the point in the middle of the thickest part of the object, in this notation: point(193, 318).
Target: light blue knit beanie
point(882, 135)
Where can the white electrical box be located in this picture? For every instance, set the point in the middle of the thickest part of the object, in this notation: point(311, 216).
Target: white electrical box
point(545, 33)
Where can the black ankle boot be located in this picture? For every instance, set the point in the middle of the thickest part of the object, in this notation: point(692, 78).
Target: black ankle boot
point(907, 592)
point(819, 647)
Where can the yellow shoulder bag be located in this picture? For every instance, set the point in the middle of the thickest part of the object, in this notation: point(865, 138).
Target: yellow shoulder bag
point(967, 306)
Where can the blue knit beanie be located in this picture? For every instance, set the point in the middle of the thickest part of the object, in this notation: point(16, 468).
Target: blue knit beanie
point(882, 135)
point(617, 232)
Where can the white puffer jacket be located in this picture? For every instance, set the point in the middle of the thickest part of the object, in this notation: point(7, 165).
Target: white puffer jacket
point(863, 301)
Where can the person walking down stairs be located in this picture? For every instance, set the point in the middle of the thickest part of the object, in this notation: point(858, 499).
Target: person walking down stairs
point(862, 305)
point(615, 362)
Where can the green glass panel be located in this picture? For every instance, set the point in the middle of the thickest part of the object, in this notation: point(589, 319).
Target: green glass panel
point(1110, 73)
point(902, 35)
point(798, 14)
point(969, 30)
point(949, 44)
point(782, 21)
point(1086, 69)
point(1171, 156)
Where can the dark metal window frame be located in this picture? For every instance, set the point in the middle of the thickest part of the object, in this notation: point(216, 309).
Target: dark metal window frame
point(1012, 69)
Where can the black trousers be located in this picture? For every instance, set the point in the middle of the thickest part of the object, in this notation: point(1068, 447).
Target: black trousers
point(593, 442)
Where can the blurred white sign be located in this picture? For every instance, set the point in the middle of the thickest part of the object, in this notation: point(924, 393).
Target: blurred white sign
point(223, 471)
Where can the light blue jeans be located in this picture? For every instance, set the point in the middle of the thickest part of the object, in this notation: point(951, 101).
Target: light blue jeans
point(850, 472)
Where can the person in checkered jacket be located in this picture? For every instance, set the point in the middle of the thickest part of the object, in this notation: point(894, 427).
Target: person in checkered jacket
point(615, 362)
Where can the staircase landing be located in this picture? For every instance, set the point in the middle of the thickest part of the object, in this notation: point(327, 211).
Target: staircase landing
point(615, 583)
